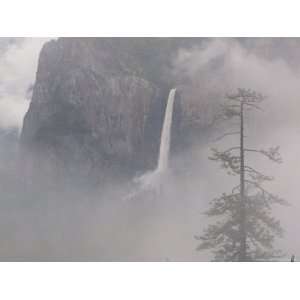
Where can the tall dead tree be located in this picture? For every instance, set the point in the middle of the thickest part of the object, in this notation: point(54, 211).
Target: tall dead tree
point(246, 230)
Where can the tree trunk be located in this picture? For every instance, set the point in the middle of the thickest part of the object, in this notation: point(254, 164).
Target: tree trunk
point(242, 253)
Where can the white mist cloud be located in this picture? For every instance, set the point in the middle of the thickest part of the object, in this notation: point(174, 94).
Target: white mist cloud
point(18, 65)
point(221, 66)
point(145, 230)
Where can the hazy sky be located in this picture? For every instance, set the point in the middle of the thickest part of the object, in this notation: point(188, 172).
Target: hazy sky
point(18, 64)
point(224, 65)
point(210, 70)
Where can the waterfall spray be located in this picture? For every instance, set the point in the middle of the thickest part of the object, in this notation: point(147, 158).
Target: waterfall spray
point(152, 181)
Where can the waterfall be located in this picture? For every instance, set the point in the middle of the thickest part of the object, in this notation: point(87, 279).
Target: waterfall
point(165, 138)
point(152, 180)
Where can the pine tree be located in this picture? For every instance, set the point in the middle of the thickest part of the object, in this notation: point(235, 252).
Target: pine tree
point(245, 229)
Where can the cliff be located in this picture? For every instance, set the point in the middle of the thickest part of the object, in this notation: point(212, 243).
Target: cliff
point(97, 106)
point(98, 103)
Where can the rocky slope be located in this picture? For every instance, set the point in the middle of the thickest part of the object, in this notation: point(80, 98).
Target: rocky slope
point(98, 103)
point(97, 106)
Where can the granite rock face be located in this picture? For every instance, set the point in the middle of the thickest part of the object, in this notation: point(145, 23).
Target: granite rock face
point(93, 111)
point(98, 103)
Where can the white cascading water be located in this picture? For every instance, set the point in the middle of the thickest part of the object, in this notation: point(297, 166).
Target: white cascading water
point(151, 181)
point(165, 139)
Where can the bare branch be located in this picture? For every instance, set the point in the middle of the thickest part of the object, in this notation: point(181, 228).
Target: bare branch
point(232, 148)
point(256, 175)
point(271, 198)
point(253, 105)
point(235, 188)
point(227, 160)
point(246, 97)
point(229, 112)
point(226, 134)
point(272, 153)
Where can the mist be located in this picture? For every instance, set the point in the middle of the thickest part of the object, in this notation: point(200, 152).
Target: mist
point(277, 124)
point(82, 224)
point(18, 64)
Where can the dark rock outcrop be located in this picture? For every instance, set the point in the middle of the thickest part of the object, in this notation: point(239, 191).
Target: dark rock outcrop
point(98, 103)
point(97, 107)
